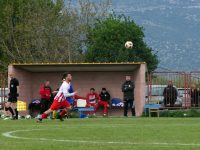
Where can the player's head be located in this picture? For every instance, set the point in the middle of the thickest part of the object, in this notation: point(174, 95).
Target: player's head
point(128, 78)
point(11, 75)
point(67, 77)
point(170, 83)
point(103, 90)
point(46, 83)
point(92, 90)
point(193, 86)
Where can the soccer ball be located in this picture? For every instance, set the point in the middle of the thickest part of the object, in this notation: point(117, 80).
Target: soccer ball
point(28, 117)
point(129, 44)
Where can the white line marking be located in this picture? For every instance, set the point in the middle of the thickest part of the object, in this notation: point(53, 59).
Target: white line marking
point(9, 135)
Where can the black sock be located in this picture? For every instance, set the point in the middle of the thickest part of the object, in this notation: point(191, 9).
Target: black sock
point(11, 111)
point(16, 113)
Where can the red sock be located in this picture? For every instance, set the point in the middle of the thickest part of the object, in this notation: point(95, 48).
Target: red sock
point(44, 116)
point(105, 109)
point(63, 112)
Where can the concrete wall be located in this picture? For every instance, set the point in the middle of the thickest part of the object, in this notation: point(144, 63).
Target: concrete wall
point(83, 81)
point(140, 89)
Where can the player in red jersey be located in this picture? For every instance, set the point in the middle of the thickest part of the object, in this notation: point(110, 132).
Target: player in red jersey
point(93, 99)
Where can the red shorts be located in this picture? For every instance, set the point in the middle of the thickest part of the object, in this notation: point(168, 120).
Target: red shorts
point(56, 105)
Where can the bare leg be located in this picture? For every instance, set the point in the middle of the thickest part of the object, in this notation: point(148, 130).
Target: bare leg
point(8, 107)
point(63, 112)
point(14, 107)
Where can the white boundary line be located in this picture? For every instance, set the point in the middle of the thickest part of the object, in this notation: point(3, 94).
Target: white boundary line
point(9, 135)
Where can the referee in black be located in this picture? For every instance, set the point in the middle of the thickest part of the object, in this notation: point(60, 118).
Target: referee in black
point(12, 97)
point(128, 90)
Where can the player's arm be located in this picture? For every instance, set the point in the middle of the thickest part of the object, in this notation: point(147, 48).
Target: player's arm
point(108, 95)
point(17, 84)
point(97, 97)
point(164, 92)
point(176, 93)
point(65, 91)
point(123, 88)
point(87, 98)
point(130, 87)
point(18, 88)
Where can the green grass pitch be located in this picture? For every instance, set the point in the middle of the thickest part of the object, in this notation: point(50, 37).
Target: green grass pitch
point(101, 134)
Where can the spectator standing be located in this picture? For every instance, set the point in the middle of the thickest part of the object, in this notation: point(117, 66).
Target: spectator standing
point(128, 89)
point(170, 94)
point(194, 95)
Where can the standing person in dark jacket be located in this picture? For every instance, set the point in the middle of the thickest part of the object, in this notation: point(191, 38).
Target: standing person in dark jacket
point(46, 95)
point(12, 97)
point(170, 94)
point(104, 100)
point(194, 95)
point(128, 90)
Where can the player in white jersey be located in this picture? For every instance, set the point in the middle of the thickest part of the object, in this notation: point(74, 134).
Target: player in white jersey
point(60, 98)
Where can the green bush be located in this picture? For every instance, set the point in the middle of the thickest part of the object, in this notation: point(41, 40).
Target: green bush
point(180, 113)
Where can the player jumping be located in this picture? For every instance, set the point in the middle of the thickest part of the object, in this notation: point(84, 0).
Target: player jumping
point(60, 99)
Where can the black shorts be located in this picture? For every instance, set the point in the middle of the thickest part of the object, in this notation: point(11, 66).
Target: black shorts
point(12, 98)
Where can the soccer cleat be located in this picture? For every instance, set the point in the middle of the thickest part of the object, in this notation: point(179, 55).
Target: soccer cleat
point(39, 120)
point(14, 118)
point(60, 117)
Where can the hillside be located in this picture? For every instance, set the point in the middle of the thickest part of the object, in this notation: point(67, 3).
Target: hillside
point(171, 29)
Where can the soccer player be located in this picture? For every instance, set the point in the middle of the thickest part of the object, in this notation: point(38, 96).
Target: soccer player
point(93, 99)
point(12, 97)
point(46, 94)
point(105, 98)
point(60, 98)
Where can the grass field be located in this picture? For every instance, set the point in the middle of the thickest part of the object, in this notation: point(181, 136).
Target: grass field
point(101, 134)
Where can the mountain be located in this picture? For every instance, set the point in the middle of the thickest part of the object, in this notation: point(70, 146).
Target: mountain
point(171, 27)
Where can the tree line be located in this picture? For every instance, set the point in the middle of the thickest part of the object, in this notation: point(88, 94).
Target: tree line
point(68, 31)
